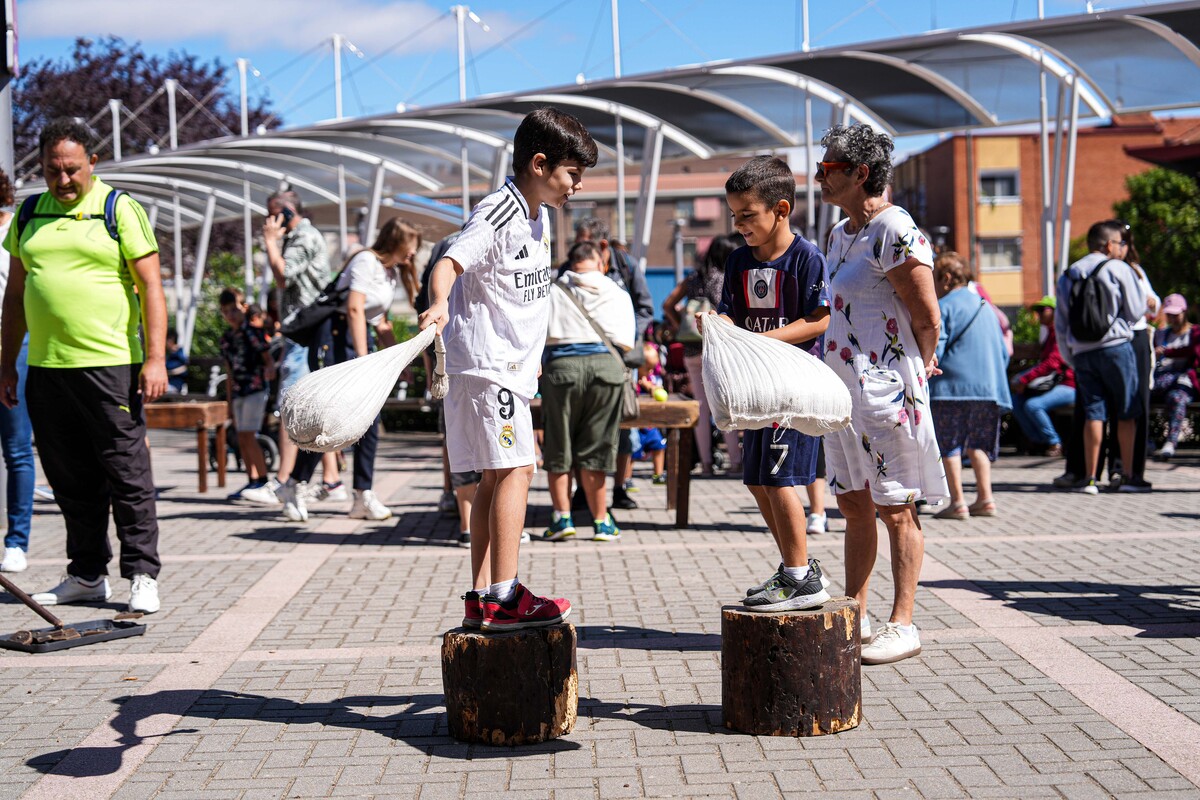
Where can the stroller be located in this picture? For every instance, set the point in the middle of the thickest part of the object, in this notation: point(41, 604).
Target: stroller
point(268, 435)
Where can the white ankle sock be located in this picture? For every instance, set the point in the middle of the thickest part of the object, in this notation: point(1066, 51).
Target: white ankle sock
point(504, 590)
point(797, 573)
point(559, 515)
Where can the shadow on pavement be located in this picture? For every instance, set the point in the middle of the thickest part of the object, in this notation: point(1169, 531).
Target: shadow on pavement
point(693, 718)
point(1161, 611)
point(421, 724)
point(602, 637)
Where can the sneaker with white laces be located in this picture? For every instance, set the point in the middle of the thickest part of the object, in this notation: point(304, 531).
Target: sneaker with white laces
point(817, 523)
point(14, 560)
point(291, 494)
point(367, 506)
point(319, 492)
point(265, 495)
point(143, 594)
point(74, 589)
point(892, 643)
point(864, 629)
point(813, 564)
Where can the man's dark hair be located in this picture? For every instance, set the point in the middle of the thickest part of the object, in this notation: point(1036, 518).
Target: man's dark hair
point(581, 251)
point(67, 128)
point(596, 228)
point(1102, 232)
point(556, 135)
point(290, 199)
point(230, 297)
point(862, 144)
point(767, 178)
point(6, 190)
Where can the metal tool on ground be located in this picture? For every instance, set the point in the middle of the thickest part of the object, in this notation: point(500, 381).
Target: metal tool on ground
point(60, 637)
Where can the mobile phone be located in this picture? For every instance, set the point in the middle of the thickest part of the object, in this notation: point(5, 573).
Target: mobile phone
point(286, 215)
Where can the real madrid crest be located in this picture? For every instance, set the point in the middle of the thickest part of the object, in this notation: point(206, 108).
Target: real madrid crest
point(507, 437)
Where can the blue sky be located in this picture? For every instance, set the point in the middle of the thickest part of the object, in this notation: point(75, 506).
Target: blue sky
point(409, 48)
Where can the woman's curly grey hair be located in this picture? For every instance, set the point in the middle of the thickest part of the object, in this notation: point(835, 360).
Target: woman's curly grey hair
point(862, 144)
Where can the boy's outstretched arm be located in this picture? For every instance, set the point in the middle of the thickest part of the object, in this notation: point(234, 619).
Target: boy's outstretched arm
point(441, 281)
point(803, 329)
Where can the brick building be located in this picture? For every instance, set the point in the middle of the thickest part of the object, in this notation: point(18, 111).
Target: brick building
point(935, 186)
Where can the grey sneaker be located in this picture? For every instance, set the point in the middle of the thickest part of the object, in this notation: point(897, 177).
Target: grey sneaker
point(785, 594)
point(291, 494)
point(448, 504)
point(813, 564)
point(74, 589)
point(1066, 481)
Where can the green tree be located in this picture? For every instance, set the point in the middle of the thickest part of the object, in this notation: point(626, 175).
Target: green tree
point(224, 269)
point(1163, 212)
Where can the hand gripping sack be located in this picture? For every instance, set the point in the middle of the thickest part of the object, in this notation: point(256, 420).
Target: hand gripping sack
point(755, 382)
point(331, 408)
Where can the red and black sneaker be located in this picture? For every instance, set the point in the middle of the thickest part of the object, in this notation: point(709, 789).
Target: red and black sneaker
point(525, 610)
point(473, 614)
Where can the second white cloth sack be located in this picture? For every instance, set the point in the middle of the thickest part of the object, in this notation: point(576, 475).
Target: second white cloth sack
point(755, 382)
point(330, 409)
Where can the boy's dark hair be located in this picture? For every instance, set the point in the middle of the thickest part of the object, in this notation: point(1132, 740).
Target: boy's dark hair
point(230, 297)
point(172, 335)
point(67, 128)
point(862, 144)
point(556, 135)
point(581, 251)
point(1102, 232)
point(6, 190)
point(767, 178)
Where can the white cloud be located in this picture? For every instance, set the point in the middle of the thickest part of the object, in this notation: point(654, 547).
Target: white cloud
point(248, 25)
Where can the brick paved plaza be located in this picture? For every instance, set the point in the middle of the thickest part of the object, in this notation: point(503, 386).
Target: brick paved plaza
point(1061, 654)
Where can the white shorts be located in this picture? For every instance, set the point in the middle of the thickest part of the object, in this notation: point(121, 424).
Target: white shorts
point(248, 412)
point(487, 426)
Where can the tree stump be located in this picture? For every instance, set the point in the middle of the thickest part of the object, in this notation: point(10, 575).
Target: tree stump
point(792, 673)
point(510, 688)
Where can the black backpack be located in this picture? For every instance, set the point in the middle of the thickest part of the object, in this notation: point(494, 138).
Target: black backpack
point(1091, 300)
point(28, 212)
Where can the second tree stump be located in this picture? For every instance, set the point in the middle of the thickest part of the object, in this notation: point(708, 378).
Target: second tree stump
point(510, 688)
point(791, 673)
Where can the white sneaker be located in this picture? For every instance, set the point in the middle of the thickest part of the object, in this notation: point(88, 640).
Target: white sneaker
point(864, 629)
point(265, 495)
point(319, 492)
point(817, 523)
point(367, 506)
point(260, 495)
point(291, 494)
point(892, 644)
point(74, 590)
point(1166, 451)
point(43, 493)
point(143, 593)
point(14, 560)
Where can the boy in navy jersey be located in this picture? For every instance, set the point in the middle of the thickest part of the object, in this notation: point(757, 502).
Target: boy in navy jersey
point(490, 298)
point(776, 286)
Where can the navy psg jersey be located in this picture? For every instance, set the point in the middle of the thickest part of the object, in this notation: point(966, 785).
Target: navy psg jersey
point(762, 296)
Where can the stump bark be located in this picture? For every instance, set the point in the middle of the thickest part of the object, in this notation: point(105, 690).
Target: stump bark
point(510, 688)
point(792, 673)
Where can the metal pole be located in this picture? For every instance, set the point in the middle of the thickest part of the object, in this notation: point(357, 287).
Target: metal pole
point(244, 101)
point(170, 84)
point(343, 225)
point(1068, 192)
point(651, 159)
point(972, 248)
point(337, 76)
point(115, 107)
point(810, 190)
point(619, 129)
point(373, 209)
point(460, 21)
point(177, 274)
point(198, 275)
point(677, 243)
point(247, 241)
point(6, 134)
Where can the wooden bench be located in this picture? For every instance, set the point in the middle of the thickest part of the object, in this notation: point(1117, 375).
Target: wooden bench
point(676, 415)
point(200, 416)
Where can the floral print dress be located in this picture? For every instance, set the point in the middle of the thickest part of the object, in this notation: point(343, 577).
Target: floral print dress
point(889, 448)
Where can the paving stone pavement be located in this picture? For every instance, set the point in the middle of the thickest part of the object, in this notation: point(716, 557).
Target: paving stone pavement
point(1061, 653)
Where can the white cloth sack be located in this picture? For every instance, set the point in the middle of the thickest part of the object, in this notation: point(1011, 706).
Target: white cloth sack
point(756, 382)
point(330, 409)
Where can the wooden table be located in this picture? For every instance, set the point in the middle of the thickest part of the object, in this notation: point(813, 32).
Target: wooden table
point(201, 416)
point(677, 416)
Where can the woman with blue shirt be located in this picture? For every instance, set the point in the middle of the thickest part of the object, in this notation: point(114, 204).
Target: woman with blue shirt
point(971, 395)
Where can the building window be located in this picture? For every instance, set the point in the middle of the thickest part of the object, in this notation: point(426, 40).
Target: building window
point(994, 186)
point(684, 209)
point(1000, 255)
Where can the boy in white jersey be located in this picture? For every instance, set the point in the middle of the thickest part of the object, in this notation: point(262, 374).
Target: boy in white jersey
point(490, 298)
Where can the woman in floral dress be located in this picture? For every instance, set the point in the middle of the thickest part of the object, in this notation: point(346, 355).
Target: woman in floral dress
point(881, 342)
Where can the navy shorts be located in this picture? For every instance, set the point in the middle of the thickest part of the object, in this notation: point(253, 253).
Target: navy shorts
point(1107, 379)
point(779, 457)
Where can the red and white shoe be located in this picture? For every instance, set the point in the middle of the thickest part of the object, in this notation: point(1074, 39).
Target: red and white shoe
point(473, 611)
point(525, 610)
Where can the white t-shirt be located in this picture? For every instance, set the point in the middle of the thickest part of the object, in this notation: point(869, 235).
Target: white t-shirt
point(4, 262)
point(366, 274)
point(499, 305)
